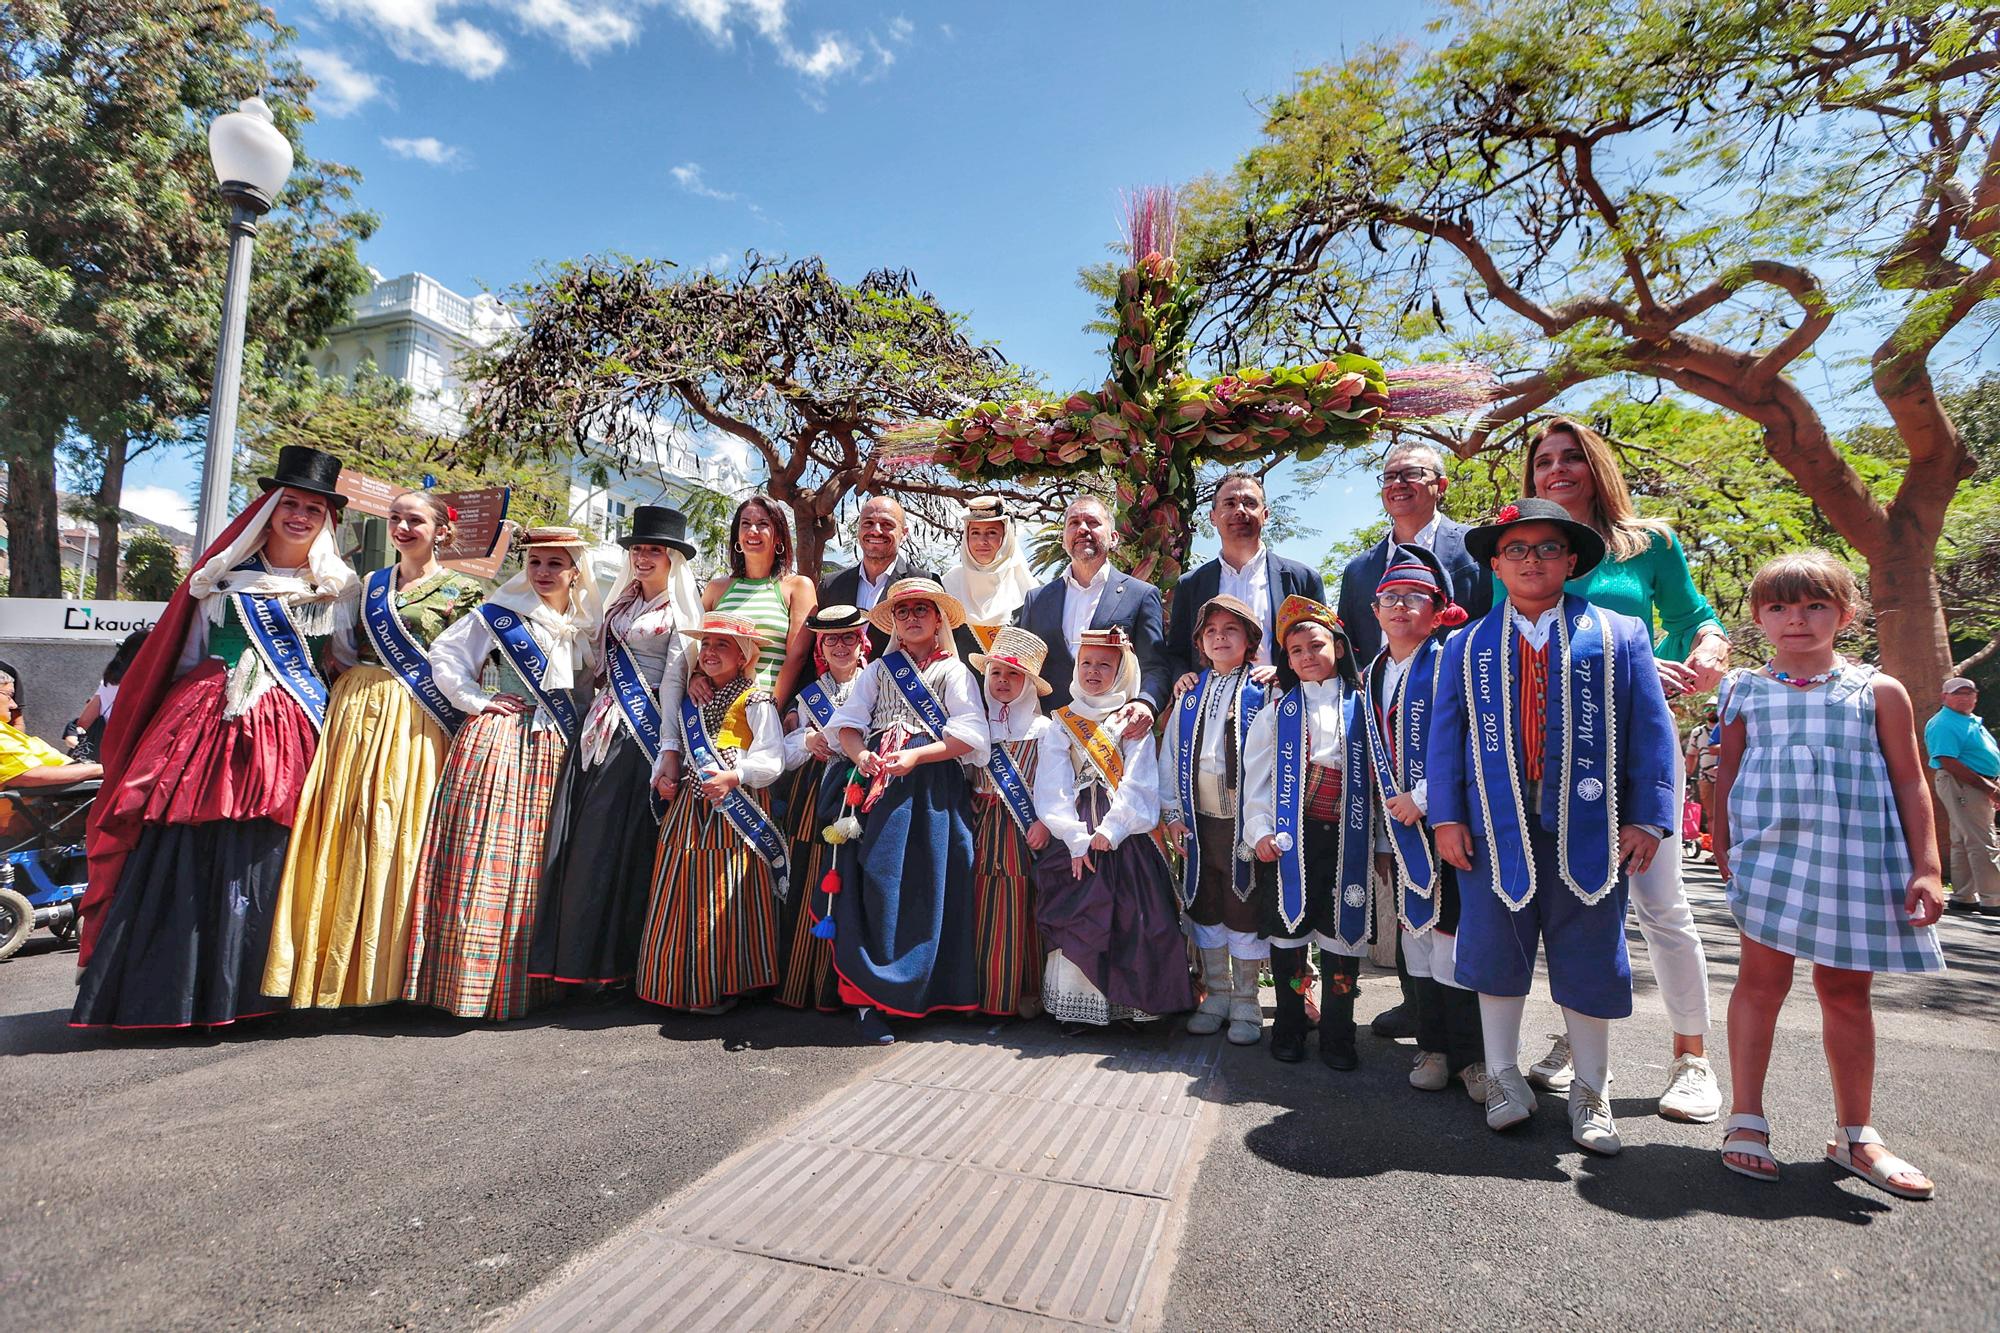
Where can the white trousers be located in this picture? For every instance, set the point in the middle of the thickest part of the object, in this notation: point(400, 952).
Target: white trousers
point(1432, 954)
point(1659, 901)
point(1244, 944)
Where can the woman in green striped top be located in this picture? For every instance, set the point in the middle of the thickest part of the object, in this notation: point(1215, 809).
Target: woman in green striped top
point(761, 587)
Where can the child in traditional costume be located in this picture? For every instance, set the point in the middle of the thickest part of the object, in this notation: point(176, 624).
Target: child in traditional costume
point(1104, 898)
point(903, 915)
point(1412, 601)
point(1008, 834)
point(216, 725)
point(603, 830)
point(480, 872)
point(1550, 775)
point(722, 861)
point(1306, 823)
point(840, 647)
point(343, 923)
point(1826, 838)
point(1201, 804)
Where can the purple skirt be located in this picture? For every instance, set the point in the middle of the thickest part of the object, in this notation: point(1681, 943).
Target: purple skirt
point(1119, 924)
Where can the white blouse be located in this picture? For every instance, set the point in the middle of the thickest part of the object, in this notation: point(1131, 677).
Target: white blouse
point(1134, 808)
point(648, 631)
point(459, 655)
point(956, 690)
point(796, 753)
point(1326, 731)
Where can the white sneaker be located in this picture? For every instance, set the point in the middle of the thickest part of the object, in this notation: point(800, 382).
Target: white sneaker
point(1590, 1122)
point(1554, 1070)
point(1474, 1078)
point(1509, 1099)
point(1692, 1095)
point(1431, 1072)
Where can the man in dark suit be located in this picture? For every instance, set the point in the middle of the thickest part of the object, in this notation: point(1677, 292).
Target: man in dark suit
point(1413, 482)
point(1246, 570)
point(879, 531)
point(1091, 594)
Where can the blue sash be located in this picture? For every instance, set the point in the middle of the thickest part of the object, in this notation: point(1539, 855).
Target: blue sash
point(928, 710)
point(401, 653)
point(1416, 904)
point(755, 827)
point(1007, 780)
point(283, 650)
point(511, 633)
point(1249, 700)
point(1579, 796)
point(1293, 755)
point(637, 706)
point(817, 703)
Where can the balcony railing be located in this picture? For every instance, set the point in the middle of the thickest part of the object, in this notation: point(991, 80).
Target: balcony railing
point(418, 294)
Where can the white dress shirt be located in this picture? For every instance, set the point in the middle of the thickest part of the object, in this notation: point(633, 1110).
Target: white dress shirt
point(1326, 731)
point(867, 593)
point(1134, 808)
point(796, 753)
point(1251, 585)
point(1080, 602)
point(1537, 631)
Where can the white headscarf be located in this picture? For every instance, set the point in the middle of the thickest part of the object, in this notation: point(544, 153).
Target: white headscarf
point(318, 602)
point(991, 593)
point(683, 596)
point(1097, 707)
point(581, 623)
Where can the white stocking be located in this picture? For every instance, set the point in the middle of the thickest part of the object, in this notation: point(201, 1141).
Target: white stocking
point(1590, 1048)
point(1500, 1016)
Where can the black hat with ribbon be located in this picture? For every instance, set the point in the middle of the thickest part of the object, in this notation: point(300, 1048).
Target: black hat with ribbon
point(659, 525)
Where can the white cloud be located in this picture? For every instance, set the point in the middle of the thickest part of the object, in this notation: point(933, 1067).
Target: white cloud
point(831, 54)
point(717, 261)
point(416, 30)
point(343, 87)
point(834, 55)
point(688, 176)
point(583, 29)
point(425, 149)
point(901, 29)
point(162, 504)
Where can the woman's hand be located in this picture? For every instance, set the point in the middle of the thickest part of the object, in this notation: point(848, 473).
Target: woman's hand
point(1454, 844)
point(818, 746)
point(1038, 836)
point(1924, 901)
point(1267, 848)
point(1676, 678)
point(1707, 662)
point(666, 785)
point(717, 786)
point(506, 705)
point(1403, 808)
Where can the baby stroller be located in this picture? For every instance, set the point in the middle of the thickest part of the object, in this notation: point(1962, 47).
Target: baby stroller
point(42, 871)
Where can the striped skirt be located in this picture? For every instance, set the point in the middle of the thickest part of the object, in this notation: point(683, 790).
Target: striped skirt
point(1009, 948)
point(480, 871)
point(711, 932)
point(809, 979)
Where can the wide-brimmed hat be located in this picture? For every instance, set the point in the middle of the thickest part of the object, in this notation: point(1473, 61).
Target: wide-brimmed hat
point(721, 625)
point(836, 619)
point(1015, 647)
point(659, 525)
point(1113, 637)
point(302, 468)
point(1235, 606)
point(1584, 542)
point(883, 616)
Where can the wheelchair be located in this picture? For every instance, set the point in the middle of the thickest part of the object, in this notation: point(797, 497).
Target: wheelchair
point(42, 868)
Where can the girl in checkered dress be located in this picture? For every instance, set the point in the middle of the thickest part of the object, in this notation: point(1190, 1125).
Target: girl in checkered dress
point(1826, 838)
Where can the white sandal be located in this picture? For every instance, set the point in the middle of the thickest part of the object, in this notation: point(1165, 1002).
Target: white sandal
point(1756, 1124)
point(1878, 1172)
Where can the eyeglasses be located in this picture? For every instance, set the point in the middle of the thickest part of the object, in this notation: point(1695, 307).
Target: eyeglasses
point(1415, 476)
point(845, 638)
point(1407, 601)
point(1518, 551)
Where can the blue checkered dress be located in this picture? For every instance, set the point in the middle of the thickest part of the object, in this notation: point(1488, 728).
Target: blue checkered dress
point(1819, 865)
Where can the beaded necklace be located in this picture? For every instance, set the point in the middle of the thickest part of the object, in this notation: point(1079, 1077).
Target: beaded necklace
point(1806, 682)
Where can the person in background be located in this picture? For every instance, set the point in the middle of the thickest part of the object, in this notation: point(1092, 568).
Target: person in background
point(1247, 570)
point(761, 588)
point(89, 726)
point(28, 761)
point(1091, 595)
point(1965, 766)
point(879, 530)
point(991, 578)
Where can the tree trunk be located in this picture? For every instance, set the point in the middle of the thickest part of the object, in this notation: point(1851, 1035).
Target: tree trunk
point(110, 488)
point(34, 554)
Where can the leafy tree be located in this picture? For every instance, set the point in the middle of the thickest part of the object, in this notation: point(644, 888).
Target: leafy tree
point(1692, 193)
point(152, 567)
point(805, 369)
point(112, 241)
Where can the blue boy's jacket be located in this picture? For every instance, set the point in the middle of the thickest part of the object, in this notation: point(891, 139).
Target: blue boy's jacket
point(1645, 730)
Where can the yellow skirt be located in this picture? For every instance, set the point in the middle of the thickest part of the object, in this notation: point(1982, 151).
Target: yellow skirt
point(342, 931)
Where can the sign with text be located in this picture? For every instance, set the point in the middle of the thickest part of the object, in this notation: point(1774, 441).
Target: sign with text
point(482, 538)
point(59, 620)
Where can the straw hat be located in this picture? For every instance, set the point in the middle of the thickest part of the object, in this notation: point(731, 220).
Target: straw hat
point(1119, 641)
point(721, 625)
point(1017, 648)
point(568, 539)
point(836, 619)
point(883, 617)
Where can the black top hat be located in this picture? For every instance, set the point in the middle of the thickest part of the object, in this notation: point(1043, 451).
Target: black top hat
point(1481, 542)
point(659, 525)
point(303, 468)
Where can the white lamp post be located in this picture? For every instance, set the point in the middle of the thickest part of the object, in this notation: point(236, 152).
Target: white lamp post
point(251, 162)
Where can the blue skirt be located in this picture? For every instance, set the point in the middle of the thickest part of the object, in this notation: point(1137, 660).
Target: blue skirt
point(905, 917)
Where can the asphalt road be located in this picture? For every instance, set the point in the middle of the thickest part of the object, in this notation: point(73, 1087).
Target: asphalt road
point(395, 1170)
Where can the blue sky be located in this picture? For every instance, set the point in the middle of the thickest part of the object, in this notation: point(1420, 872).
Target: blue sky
point(982, 146)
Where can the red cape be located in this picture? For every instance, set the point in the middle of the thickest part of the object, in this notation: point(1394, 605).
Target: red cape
point(108, 838)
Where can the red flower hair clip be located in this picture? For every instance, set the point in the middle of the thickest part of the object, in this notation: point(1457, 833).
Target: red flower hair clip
point(1507, 514)
point(450, 514)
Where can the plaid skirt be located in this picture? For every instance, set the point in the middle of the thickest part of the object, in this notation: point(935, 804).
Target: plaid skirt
point(711, 932)
point(480, 871)
point(1007, 946)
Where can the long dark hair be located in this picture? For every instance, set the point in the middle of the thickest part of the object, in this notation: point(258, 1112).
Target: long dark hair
point(114, 670)
point(781, 558)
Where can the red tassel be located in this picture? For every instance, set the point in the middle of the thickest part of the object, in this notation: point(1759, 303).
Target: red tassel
point(854, 794)
point(831, 884)
point(1452, 616)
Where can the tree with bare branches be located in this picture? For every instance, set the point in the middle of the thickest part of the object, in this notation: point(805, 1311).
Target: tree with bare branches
point(806, 370)
point(1715, 194)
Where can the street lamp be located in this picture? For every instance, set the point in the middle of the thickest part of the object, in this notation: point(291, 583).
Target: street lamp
point(251, 162)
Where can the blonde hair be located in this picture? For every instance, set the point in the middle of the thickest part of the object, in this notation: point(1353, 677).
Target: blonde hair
point(1613, 514)
point(1803, 576)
